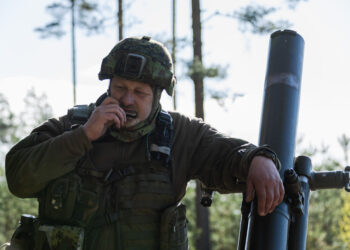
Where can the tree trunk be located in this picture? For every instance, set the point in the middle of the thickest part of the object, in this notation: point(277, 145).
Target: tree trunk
point(173, 51)
point(73, 51)
point(120, 19)
point(202, 213)
point(197, 56)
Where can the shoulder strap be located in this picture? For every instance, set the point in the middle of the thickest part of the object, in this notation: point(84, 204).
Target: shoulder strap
point(163, 138)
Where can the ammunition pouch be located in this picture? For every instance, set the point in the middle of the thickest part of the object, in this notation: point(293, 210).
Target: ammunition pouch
point(63, 237)
point(66, 201)
point(173, 228)
point(32, 235)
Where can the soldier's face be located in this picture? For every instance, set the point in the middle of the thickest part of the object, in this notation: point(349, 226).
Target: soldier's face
point(135, 98)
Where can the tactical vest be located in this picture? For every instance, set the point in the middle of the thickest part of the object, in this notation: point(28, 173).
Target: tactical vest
point(114, 201)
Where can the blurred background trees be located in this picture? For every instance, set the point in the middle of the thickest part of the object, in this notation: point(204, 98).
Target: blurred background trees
point(83, 14)
point(13, 127)
point(329, 209)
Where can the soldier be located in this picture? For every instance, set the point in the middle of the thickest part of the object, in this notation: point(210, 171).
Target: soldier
point(111, 175)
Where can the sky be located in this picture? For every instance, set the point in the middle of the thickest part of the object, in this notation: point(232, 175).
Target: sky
point(26, 62)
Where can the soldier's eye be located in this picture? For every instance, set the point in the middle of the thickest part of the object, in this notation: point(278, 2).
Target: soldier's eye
point(141, 92)
point(119, 87)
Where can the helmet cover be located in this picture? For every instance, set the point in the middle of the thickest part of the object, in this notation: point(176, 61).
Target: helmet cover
point(140, 59)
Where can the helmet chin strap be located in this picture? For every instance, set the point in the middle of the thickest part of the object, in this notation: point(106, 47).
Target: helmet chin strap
point(157, 93)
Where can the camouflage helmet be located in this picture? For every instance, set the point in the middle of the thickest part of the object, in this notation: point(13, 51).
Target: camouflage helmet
point(140, 59)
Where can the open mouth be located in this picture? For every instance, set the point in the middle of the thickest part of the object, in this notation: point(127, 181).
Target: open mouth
point(130, 114)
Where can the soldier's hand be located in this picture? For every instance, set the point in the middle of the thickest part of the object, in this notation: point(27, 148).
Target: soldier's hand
point(105, 115)
point(264, 180)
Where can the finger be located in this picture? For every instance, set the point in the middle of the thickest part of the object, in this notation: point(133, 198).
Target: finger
point(281, 191)
point(111, 117)
point(249, 191)
point(261, 201)
point(117, 110)
point(275, 199)
point(120, 113)
point(111, 107)
point(270, 200)
point(279, 195)
point(109, 100)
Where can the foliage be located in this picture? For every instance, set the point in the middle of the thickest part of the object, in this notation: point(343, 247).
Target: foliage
point(36, 111)
point(89, 18)
point(258, 19)
point(197, 68)
point(324, 218)
point(7, 128)
point(11, 209)
point(344, 142)
point(325, 205)
point(293, 3)
point(252, 18)
point(225, 220)
point(344, 223)
point(189, 200)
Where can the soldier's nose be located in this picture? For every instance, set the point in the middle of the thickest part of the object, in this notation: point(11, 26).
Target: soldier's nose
point(127, 98)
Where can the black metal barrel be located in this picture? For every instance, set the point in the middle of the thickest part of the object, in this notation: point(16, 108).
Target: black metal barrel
point(278, 129)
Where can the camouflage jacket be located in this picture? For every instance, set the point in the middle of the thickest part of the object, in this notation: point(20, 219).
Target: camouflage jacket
point(53, 150)
point(198, 152)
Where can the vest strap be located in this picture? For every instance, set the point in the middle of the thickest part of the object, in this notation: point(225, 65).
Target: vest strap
point(163, 138)
point(161, 149)
point(117, 175)
point(91, 172)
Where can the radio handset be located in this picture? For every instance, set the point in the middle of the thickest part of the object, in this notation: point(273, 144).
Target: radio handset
point(102, 97)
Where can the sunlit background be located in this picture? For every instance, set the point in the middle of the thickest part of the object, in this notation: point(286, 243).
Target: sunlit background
point(45, 64)
point(29, 64)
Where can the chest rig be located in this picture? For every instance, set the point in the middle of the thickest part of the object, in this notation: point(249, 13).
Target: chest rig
point(122, 192)
point(163, 135)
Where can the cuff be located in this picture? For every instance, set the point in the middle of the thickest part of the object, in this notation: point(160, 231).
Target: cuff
point(266, 151)
point(249, 151)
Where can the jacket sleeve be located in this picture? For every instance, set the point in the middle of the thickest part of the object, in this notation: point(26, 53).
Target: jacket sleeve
point(50, 151)
point(213, 158)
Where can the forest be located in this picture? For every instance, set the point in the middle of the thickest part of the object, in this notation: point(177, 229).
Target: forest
point(329, 210)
